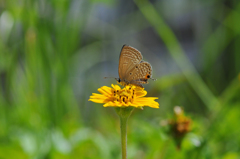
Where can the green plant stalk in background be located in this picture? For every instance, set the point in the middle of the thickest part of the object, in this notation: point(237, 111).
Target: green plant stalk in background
point(174, 48)
point(124, 114)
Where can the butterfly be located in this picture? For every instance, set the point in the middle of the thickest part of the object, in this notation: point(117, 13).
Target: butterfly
point(132, 69)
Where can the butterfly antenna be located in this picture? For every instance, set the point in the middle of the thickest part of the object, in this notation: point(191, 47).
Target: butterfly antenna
point(117, 79)
point(109, 77)
point(153, 79)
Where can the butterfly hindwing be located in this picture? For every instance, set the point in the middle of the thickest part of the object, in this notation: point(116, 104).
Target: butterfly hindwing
point(140, 73)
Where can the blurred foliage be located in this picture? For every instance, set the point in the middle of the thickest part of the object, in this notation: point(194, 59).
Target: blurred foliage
point(55, 53)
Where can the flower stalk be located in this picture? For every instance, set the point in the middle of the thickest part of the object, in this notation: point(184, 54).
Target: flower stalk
point(124, 114)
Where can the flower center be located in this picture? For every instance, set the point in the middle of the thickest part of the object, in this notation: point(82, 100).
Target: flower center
point(124, 95)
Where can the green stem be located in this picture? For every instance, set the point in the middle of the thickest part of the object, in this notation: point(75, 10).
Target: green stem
point(124, 114)
point(178, 54)
point(123, 122)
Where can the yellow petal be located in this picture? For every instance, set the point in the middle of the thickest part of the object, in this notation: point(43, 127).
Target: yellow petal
point(97, 100)
point(105, 91)
point(141, 93)
point(116, 87)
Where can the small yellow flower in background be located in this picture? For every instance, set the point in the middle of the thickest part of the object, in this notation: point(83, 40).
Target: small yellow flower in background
point(130, 95)
point(181, 124)
point(178, 126)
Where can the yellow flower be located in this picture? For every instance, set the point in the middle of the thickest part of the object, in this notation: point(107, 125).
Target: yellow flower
point(181, 124)
point(123, 97)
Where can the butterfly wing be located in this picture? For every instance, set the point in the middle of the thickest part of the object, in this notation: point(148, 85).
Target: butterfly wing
point(129, 58)
point(139, 74)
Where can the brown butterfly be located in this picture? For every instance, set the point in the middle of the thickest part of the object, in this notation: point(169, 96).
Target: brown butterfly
point(131, 69)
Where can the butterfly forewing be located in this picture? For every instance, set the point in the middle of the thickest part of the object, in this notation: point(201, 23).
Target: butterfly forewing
point(129, 58)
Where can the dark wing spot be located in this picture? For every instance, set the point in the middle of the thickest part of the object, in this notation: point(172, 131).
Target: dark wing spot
point(136, 66)
point(130, 73)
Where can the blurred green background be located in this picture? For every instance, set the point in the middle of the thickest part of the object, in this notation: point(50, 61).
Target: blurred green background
point(55, 53)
